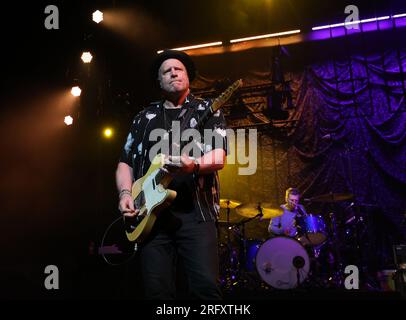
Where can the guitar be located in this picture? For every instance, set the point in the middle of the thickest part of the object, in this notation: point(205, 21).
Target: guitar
point(150, 193)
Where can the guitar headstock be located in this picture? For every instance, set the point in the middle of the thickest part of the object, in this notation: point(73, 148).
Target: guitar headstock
point(222, 99)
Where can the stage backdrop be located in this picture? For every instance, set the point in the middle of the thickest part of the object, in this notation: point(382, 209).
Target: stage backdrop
point(346, 133)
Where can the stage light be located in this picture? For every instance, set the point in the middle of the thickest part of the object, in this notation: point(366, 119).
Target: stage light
point(401, 15)
point(68, 120)
point(197, 46)
point(350, 23)
point(86, 57)
point(108, 133)
point(270, 35)
point(76, 91)
point(97, 16)
point(279, 99)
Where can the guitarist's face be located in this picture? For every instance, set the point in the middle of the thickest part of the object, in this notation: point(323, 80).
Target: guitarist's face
point(173, 77)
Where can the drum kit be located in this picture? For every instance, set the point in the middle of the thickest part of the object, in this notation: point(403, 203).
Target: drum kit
point(280, 262)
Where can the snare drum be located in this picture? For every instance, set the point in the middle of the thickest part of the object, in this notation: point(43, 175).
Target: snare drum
point(313, 230)
point(282, 262)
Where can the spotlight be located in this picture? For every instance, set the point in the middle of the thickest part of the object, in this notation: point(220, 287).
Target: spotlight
point(76, 91)
point(97, 16)
point(86, 57)
point(108, 133)
point(68, 120)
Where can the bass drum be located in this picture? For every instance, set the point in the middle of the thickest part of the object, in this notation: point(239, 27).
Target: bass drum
point(282, 262)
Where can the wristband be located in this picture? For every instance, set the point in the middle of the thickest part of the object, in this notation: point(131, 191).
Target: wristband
point(124, 191)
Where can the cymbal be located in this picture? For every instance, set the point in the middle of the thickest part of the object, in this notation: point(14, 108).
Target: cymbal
point(250, 210)
point(332, 197)
point(229, 203)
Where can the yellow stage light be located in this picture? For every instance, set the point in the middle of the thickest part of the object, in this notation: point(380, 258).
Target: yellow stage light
point(108, 133)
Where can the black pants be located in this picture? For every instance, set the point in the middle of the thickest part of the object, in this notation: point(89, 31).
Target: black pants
point(196, 243)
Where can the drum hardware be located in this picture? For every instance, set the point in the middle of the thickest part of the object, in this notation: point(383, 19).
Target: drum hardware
point(252, 211)
point(282, 262)
point(336, 242)
point(263, 209)
point(244, 242)
point(232, 263)
point(336, 261)
point(229, 203)
point(298, 263)
point(313, 230)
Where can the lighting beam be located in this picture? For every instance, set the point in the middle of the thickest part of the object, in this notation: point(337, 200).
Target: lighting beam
point(204, 45)
point(271, 35)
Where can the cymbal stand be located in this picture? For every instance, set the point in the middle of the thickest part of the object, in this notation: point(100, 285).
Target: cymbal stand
point(242, 237)
point(338, 263)
point(233, 264)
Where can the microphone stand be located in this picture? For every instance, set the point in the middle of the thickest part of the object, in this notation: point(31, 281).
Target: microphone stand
point(231, 270)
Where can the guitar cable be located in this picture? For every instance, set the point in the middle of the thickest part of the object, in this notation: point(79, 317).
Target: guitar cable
point(102, 245)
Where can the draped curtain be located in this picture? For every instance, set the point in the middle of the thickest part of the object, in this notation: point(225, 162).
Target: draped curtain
point(349, 137)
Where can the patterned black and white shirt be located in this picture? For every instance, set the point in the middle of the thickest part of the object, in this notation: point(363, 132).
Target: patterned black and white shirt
point(198, 193)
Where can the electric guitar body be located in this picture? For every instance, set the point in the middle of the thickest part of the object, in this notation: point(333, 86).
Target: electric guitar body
point(151, 197)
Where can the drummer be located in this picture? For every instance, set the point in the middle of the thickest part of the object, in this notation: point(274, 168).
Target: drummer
point(287, 224)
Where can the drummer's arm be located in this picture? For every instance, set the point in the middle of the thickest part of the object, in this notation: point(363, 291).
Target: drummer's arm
point(275, 225)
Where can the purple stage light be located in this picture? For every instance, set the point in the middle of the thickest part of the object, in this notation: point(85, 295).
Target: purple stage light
point(350, 23)
point(349, 28)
